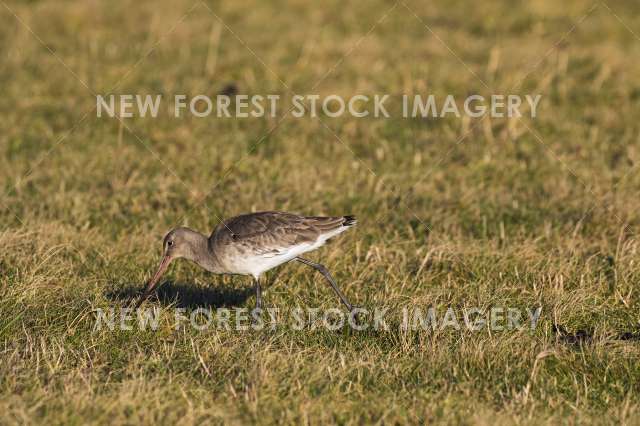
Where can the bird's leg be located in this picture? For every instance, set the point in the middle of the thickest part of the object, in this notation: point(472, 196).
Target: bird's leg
point(258, 294)
point(257, 312)
point(325, 272)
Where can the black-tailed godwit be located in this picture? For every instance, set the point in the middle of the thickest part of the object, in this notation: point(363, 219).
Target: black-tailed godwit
point(251, 244)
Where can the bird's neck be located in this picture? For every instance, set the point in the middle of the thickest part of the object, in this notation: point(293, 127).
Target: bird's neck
point(202, 254)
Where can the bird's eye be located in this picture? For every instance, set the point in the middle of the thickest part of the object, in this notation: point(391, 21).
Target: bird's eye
point(170, 243)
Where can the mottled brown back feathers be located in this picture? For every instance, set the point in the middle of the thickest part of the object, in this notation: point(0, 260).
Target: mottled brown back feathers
point(273, 230)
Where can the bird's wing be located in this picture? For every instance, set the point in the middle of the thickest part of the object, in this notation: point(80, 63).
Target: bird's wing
point(271, 233)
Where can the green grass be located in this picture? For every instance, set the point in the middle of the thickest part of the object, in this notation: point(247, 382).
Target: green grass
point(501, 217)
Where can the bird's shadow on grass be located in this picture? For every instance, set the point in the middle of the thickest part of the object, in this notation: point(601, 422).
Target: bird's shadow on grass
point(185, 295)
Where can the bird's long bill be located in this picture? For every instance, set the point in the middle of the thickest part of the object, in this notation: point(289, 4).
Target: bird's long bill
point(155, 280)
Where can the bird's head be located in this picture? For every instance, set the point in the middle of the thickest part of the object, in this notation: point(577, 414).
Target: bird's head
point(178, 243)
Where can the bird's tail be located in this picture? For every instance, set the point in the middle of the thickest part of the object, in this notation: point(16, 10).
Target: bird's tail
point(330, 226)
point(349, 220)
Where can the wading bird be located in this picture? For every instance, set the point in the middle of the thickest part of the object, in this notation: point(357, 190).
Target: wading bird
point(251, 244)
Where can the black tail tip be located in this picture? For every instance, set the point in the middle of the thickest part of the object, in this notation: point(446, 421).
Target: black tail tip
point(349, 220)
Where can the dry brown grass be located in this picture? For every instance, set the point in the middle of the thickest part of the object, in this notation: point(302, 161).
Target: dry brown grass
point(499, 217)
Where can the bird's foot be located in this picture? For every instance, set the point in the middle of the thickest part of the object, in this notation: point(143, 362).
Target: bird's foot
point(257, 321)
point(356, 316)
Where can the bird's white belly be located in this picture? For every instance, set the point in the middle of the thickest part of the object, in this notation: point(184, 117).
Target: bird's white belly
point(257, 264)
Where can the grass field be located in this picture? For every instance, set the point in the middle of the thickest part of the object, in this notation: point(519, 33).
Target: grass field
point(453, 212)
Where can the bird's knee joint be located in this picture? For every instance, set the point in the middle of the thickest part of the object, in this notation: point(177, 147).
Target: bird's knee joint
point(322, 269)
